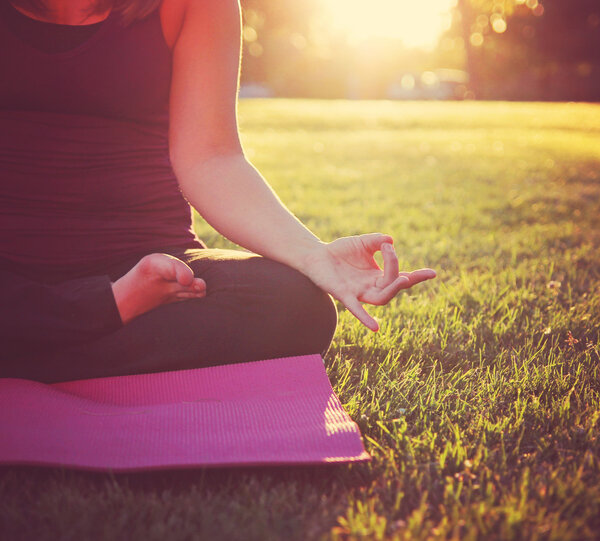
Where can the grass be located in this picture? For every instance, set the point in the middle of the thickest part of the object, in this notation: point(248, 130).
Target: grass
point(479, 399)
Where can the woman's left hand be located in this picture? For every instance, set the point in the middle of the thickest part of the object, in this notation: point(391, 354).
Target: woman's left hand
point(346, 269)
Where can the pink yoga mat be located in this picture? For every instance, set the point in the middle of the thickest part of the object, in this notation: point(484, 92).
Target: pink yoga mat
point(279, 411)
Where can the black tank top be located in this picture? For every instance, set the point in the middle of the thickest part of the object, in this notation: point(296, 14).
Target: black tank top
point(85, 176)
point(47, 37)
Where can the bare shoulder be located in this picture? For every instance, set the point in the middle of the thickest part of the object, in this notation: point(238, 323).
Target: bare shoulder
point(172, 13)
point(222, 14)
point(206, 62)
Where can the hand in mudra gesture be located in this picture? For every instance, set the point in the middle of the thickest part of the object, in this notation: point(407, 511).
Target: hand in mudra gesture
point(346, 269)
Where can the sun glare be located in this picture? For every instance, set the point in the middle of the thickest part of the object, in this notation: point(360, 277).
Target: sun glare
point(417, 23)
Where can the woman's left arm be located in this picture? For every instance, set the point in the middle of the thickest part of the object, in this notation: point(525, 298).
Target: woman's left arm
point(228, 191)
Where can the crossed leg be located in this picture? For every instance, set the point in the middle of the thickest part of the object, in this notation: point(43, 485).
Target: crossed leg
point(254, 309)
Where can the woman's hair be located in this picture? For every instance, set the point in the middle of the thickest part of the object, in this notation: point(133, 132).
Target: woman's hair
point(128, 10)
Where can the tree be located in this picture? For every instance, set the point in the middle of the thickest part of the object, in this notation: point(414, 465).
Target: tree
point(526, 49)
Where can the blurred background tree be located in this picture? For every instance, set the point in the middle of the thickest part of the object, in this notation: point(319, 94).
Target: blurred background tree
point(525, 49)
point(510, 49)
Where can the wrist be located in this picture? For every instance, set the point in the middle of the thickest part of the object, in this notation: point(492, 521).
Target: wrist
point(307, 255)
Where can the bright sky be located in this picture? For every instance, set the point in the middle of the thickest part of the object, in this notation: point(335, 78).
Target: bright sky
point(418, 23)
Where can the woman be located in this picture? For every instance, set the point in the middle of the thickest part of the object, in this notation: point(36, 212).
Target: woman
point(109, 112)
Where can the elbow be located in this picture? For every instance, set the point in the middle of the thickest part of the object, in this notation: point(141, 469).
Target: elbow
point(204, 167)
point(184, 160)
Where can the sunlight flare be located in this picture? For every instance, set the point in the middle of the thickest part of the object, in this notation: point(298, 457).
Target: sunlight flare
point(417, 23)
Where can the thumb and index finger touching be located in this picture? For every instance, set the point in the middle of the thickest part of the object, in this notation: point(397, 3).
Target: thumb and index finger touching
point(375, 242)
point(390, 283)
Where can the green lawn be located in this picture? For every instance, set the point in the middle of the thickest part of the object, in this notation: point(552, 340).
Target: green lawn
point(479, 399)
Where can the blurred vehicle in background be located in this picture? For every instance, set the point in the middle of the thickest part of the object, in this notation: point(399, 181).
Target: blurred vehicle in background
point(441, 84)
point(255, 90)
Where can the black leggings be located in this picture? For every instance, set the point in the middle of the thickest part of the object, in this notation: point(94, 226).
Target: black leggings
point(254, 309)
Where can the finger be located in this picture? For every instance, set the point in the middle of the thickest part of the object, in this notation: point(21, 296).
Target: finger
point(390, 265)
point(184, 275)
point(405, 281)
point(199, 285)
point(418, 276)
point(195, 289)
point(379, 296)
point(360, 313)
point(184, 295)
point(373, 241)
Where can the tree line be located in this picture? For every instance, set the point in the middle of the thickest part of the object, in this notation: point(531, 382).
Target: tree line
point(510, 49)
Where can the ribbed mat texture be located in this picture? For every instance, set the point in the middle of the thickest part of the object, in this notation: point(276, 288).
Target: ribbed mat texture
point(278, 411)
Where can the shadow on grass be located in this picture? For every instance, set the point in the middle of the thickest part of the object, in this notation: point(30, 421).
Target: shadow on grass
point(235, 503)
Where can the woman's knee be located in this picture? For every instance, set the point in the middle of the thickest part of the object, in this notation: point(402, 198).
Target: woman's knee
point(271, 303)
point(320, 312)
point(307, 314)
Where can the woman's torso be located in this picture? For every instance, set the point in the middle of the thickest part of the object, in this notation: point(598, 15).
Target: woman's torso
point(85, 175)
